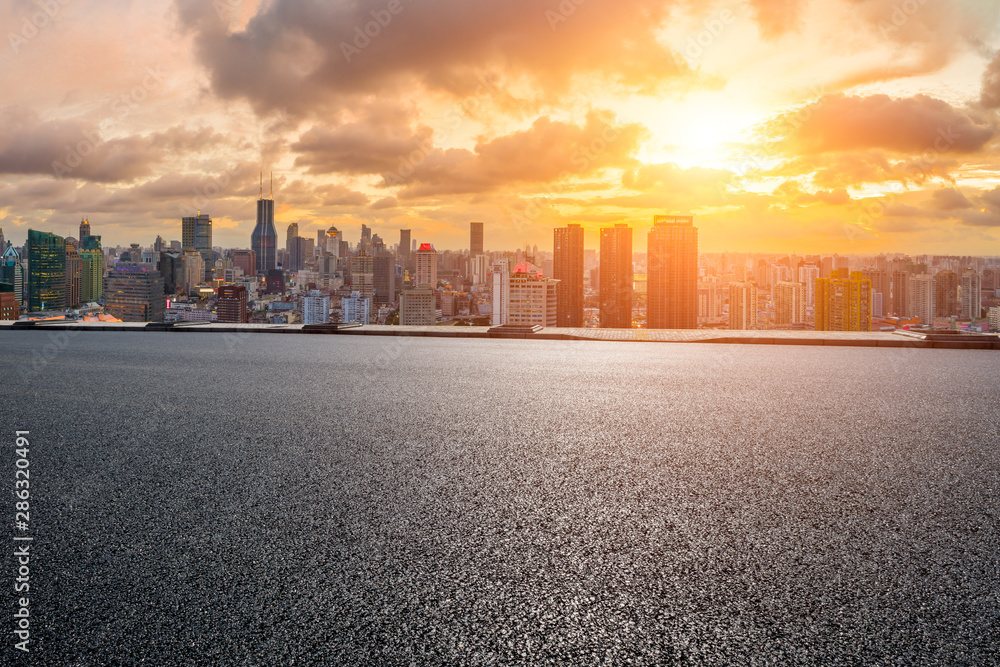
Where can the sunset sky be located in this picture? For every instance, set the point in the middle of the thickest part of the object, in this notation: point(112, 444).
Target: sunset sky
point(850, 126)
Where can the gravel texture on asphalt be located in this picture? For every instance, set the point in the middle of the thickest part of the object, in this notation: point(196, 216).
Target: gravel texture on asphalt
point(227, 499)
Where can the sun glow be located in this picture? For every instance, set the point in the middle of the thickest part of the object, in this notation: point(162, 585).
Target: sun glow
point(701, 130)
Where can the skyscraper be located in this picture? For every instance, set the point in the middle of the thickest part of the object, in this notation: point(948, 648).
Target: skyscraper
point(427, 261)
point(171, 268)
point(246, 260)
point(881, 289)
point(843, 304)
point(946, 286)
point(263, 240)
point(567, 268)
point(922, 298)
point(500, 292)
point(12, 271)
point(742, 306)
point(475, 238)
point(46, 271)
point(196, 234)
point(789, 303)
point(84, 230)
point(385, 276)
point(363, 275)
point(295, 248)
point(672, 253)
point(971, 295)
point(616, 277)
point(403, 253)
point(901, 281)
point(133, 292)
point(74, 275)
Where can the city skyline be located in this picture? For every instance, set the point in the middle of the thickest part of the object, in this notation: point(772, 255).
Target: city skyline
point(527, 117)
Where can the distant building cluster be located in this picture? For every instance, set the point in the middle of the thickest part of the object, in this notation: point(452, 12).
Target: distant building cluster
point(330, 278)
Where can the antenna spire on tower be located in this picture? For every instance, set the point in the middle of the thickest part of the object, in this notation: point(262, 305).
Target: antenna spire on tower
point(261, 196)
point(272, 185)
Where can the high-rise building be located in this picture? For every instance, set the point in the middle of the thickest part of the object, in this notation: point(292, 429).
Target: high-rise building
point(403, 252)
point(385, 276)
point(46, 271)
point(742, 306)
point(316, 308)
point(416, 307)
point(363, 275)
point(332, 245)
point(881, 289)
point(355, 308)
point(246, 260)
point(808, 274)
point(329, 277)
point(196, 234)
point(843, 304)
point(901, 281)
point(171, 268)
point(295, 248)
point(922, 298)
point(946, 286)
point(475, 238)
point(133, 292)
point(532, 300)
point(193, 271)
point(567, 268)
point(971, 295)
point(84, 230)
point(789, 303)
point(427, 269)
point(231, 304)
point(74, 276)
point(672, 273)
point(616, 277)
point(500, 292)
point(3, 243)
point(263, 240)
point(994, 318)
point(12, 271)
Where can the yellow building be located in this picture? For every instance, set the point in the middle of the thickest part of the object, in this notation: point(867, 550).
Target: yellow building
point(844, 304)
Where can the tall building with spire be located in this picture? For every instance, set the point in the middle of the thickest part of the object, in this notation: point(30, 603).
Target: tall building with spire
point(84, 230)
point(263, 240)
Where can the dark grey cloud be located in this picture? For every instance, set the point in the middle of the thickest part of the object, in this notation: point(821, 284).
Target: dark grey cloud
point(298, 55)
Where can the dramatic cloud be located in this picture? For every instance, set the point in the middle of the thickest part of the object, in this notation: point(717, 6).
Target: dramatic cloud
point(990, 97)
point(950, 199)
point(296, 55)
point(907, 126)
point(548, 151)
point(859, 168)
